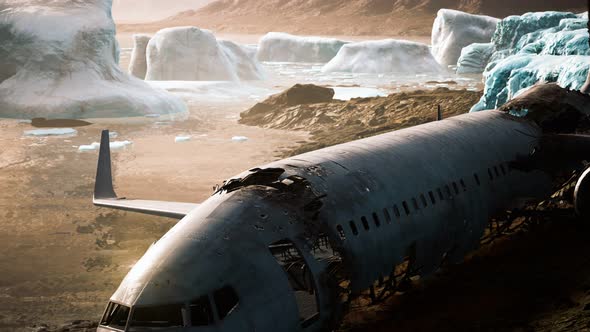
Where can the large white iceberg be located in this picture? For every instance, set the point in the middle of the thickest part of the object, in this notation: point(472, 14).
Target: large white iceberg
point(138, 63)
point(58, 59)
point(384, 56)
point(474, 58)
point(283, 47)
point(193, 54)
point(453, 30)
point(513, 75)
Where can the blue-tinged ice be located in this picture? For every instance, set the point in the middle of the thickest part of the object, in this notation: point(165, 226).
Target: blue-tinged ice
point(510, 30)
point(474, 58)
point(518, 72)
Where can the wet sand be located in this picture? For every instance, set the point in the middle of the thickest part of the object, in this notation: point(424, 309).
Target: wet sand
point(60, 257)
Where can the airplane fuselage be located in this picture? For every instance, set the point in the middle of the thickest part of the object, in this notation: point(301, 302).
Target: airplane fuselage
point(427, 192)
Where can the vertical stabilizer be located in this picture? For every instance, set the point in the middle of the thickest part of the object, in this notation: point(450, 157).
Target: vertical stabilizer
point(103, 187)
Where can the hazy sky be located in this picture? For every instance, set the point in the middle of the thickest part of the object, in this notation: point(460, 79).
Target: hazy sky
point(150, 10)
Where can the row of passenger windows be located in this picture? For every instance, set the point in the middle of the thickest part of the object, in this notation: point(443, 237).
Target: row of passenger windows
point(170, 315)
point(422, 201)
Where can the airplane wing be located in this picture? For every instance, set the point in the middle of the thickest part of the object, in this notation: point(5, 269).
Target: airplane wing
point(105, 196)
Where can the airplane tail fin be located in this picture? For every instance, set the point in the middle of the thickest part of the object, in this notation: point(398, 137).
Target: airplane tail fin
point(105, 196)
point(103, 187)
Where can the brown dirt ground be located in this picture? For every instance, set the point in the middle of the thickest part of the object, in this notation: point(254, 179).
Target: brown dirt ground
point(343, 121)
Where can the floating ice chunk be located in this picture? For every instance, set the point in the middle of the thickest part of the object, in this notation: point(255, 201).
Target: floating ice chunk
point(180, 139)
point(239, 139)
point(59, 60)
point(25, 121)
point(52, 132)
point(113, 134)
point(117, 145)
point(453, 30)
point(90, 147)
point(474, 58)
point(384, 56)
point(152, 115)
point(283, 47)
point(515, 73)
point(193, 54)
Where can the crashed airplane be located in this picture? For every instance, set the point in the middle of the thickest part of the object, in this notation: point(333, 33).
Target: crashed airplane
point(284, 247)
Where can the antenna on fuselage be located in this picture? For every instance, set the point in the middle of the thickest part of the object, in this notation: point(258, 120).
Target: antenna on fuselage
point(439, 116)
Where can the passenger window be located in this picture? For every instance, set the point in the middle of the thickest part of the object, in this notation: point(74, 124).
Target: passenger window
point(476, 177)
point(432, 198)
point(463, 185)
point(201, 312)
point(115, 316)
point(406, 208)
point(376, 219)
point(365, 223)
point(353, 228)
point(496, 171)
point(440, 194)
point(396, 211)
point(169, 315)
point(490, 174)
point(456, 188)
point(415, 202)
point(341, 233)
point(423, 199)
point(503, 169)
point(449, 193)
point(387, 216)
point(226, 300)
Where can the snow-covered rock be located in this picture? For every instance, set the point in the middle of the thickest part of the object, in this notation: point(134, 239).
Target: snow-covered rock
point(193, 54)
point(474, 58)
point(138, 63)
point(384, 56)
point(283, 47)
point(453, 30)
point(513, 75)
point(58, 59)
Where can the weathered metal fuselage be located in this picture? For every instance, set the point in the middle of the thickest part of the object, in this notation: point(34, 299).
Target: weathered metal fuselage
point(429, 190)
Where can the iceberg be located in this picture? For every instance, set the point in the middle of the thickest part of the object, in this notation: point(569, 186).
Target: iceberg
point(511, 29)
point(58, 59)
point(513, 75)
point(193, 54)
point(474, 58)
point(138, 62)
point(453, 30)
point(384, 56)
point(283, 47)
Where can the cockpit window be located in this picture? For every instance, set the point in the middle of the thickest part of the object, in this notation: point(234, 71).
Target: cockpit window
point(115, 316)
point(226, 299)
point(201, 312)
point(169, 315)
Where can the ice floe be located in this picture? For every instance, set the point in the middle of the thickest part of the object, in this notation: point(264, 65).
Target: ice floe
point(283, 47)
point(51, 132)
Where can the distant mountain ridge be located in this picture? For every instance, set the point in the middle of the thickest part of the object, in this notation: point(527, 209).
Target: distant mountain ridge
point(345, 17)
